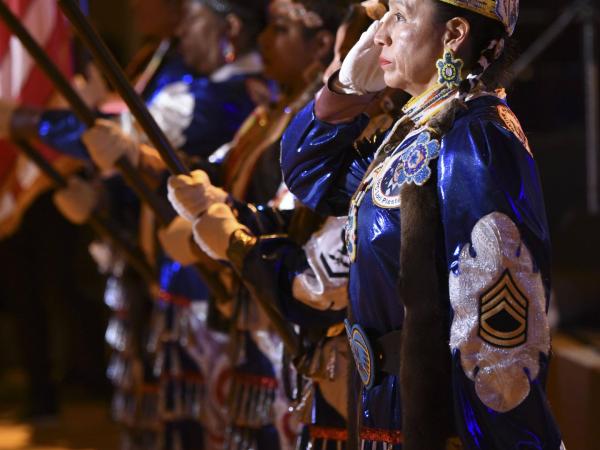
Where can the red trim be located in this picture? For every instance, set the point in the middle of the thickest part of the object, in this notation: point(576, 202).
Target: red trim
point(121, 314)
point(331, 434)
point(178, 300)
point(393, 437)
point(255, 380)
point(38, 88)
point(150, 388)
point(18, 8)
point(194, 377)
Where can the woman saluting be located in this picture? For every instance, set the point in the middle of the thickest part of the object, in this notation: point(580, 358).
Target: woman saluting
point(452, 337)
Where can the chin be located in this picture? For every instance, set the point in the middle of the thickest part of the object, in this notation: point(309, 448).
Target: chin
point(393, 80)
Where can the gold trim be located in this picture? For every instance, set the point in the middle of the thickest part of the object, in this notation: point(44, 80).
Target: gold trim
point(487, 7)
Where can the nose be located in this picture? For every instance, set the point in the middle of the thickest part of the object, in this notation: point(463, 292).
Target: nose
point(382, 36)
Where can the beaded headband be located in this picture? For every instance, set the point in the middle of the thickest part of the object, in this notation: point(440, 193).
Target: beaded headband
point(296, 12)
point(504, 11)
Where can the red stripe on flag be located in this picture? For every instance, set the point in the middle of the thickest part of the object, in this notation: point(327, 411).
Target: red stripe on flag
point(38, 89)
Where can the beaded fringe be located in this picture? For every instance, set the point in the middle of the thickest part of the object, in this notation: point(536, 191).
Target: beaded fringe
point(251, 400)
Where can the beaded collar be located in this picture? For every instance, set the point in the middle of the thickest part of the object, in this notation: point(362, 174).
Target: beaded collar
point(420, 109)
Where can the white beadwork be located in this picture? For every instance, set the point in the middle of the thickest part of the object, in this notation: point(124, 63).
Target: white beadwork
point(499, 373)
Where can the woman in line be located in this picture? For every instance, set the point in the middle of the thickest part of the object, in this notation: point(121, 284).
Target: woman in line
point(300, 36)
point(303, 272)
point(453, 190)
point(296, 46)
point(199, 95)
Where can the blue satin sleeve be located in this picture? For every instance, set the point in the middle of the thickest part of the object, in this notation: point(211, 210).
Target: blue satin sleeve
point(490, 197)
point(62, 130)
point(277, 261)
point(219, 109)
point(181, 281)
point(319, 163)
point(484, 168)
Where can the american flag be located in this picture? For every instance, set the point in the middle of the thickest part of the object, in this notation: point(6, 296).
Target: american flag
point(22, 80)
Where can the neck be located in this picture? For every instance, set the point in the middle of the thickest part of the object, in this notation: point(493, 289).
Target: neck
point(294, 88)
point(421, 108)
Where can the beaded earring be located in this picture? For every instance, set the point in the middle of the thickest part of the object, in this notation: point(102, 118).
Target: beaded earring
point(449, 69)
point(228, 51)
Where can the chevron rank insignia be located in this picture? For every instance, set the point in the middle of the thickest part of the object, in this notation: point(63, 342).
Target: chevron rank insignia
point(503, 314)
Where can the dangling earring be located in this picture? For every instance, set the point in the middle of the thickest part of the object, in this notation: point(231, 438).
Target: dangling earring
point(228, 51)
point(449, 70)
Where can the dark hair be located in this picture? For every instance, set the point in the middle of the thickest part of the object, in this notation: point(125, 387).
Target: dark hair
point(483, 31)
point(332, 12)
point(252, 13)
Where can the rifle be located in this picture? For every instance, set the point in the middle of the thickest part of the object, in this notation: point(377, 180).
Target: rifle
point(86, 115)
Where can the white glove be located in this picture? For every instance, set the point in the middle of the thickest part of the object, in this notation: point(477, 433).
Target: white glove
point(360, 72)
point(77, 201)
point(94, 90)
point(107, 143)
point(191, 195)
point(176, 240)
point(7, 108)
point(213, 230)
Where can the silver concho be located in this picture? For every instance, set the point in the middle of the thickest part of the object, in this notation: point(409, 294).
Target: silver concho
point(362, 351)
point(500, 324)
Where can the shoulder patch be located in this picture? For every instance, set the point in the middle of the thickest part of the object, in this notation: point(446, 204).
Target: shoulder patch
point(511, 122)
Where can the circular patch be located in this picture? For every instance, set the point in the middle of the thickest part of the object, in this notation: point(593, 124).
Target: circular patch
point(386, 191)
point(410, 165)
point(364, 357)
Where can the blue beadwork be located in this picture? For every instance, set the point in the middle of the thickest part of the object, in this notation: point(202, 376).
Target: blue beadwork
point(449, 70)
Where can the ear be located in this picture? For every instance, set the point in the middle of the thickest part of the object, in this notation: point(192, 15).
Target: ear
point(233, 26)
point(322, 44)
point(456, 34)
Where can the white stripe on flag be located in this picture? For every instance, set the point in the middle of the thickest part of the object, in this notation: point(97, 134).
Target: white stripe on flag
point(40, 20)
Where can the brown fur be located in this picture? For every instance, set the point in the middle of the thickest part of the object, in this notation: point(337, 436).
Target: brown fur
point(425, 356)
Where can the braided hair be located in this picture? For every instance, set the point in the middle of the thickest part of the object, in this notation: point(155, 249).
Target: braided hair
point(491, 50)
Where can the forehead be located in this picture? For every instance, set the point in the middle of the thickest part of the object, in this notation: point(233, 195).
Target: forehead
point(415, 6)
point(403, 3)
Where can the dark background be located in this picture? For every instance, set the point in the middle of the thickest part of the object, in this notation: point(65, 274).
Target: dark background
point(548, 98)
